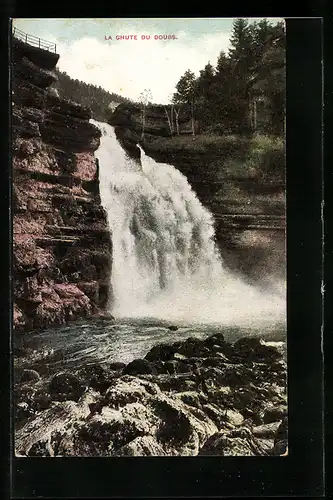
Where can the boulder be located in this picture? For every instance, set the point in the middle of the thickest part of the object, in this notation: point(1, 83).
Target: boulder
point(139, 366)
point(173, 328)
point(176, 366)
point(66, 386)
point(193, 347)
point(96, 377)
point(190, 398)
point(162, 352)
point(41, 448)
point(116, 366)
point(221, 444)
point(143, 446)
point(282, 431)
point(27, 376)
point(280, 448)
point(274, 414)
point(266, 431)
point(250, 349)
point(100, 437)
point(175, 425)
point(234, 417)
point(216, 339)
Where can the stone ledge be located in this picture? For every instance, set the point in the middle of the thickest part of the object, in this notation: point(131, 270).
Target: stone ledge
point(27, 70)
point(40, 57)
point(78, 199)
point(83, 229)
point(67, 107)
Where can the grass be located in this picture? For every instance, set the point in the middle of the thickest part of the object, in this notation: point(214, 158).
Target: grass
point(263, 159)
point(195, 143)
point(259, 158)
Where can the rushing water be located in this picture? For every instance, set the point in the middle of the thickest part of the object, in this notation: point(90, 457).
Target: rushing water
point(165, 261)
point(166, 270)
point(85, 342)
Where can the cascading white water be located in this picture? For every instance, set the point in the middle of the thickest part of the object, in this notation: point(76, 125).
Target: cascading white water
point(165, 262)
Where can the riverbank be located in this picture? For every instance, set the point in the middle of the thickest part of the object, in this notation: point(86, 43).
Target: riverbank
point(189, 397)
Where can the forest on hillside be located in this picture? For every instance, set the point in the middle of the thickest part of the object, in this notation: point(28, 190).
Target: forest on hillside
point(95, 98)
point(243, 92)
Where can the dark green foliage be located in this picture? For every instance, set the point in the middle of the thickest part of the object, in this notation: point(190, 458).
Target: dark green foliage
point(91, 96)
point(245, 93)
point(185, 88)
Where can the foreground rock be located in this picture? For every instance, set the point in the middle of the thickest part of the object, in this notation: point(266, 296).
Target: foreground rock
point(195, 397)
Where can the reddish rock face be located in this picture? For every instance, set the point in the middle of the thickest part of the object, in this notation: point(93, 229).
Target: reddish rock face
point(61, 243)
point(85, 166)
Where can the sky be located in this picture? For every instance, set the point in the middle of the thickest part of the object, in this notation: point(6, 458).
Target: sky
point(127, 67)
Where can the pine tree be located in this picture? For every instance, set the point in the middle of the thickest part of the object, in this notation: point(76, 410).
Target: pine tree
point(222, 63)
point(186, 90)
point(268, 80)
point(240, 41)
point(241, 54)
point(205, 81)
point(222, 89)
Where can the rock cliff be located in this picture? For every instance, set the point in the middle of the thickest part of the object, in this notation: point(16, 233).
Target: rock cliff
point(61, 243)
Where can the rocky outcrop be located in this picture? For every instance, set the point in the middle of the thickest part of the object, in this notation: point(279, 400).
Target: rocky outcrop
point(129, 141)
point(61, 242)
point(193, 397)
point(130, 116)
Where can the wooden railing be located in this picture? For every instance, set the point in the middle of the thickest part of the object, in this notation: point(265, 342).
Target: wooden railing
point(34, 40)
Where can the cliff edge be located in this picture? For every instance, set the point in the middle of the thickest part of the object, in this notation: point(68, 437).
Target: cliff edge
point(61, 243)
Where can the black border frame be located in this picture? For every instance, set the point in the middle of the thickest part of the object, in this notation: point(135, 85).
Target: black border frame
point(301, 473)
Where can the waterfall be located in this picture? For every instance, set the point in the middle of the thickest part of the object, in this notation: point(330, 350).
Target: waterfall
point(165, 261)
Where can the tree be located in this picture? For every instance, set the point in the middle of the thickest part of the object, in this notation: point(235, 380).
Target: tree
point(206, 94)
point(144, 99)
point(241, 56)
point(246, 91)
point(170, 119)
point(205, 81)
point(186, 93)
point(240, 43)
point(222, 63)
point(177, 112)
point(170, 115)
point(223, 86)
point(268, 79)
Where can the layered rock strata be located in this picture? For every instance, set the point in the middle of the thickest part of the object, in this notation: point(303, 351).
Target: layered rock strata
point(61, 241)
